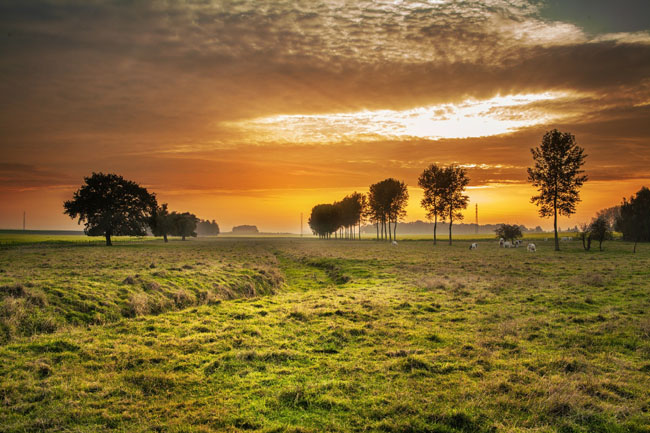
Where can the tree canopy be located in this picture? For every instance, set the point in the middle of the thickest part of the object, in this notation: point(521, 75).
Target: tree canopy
point(184, 224)
point(207, 228)
point(509, 232)
point(387, 202)
point(634, 217)
point(110, 205)
point(432, 181)
point(161, 222)
point(453, 184)
point(600, 230)
point(557, 175)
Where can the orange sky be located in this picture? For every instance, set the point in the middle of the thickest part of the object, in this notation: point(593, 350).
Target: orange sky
point(252, 112)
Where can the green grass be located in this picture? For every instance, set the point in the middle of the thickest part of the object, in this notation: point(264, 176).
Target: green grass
point(305, 335)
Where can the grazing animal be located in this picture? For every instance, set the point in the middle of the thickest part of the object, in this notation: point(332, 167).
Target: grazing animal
point(507, 244)
point(473, 246)
point(566, 238)
point(517, 243)
point(501, 242)
point(531, 248)
point(394, 242)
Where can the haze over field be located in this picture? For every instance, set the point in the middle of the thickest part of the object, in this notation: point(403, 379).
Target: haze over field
point(253, 111)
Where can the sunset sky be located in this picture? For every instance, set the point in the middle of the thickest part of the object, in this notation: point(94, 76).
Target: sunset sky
point(250, 112)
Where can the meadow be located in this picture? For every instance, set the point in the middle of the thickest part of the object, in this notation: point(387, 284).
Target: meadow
point(302, 335)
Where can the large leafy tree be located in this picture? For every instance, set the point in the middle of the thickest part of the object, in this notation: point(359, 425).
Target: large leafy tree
point(634, 217)
point(110, 205)
point(432, 181)
point(453, 184)
point(557, 175)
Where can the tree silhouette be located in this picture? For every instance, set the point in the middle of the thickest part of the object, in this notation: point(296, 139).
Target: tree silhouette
point(184, 224)
point(162, 223)
point(110, 205)
point(432, 182)
point(585, 236)
point(634, 218)
point(508, 231)
point(557, 175)
point(454, 181)
point(323, 220)
point(387, 201)
point(207, 228)
point(600, 230)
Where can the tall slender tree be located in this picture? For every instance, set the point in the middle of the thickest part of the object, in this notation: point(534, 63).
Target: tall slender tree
point(558, 176)
point(454, 182)
point(432, 182)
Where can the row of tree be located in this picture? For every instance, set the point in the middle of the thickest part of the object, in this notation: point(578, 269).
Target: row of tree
point(340, 218)
point(385, 205)
point(557, 174)
point(110, 205)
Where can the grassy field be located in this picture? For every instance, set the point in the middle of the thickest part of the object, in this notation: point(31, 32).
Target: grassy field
point(301, 335)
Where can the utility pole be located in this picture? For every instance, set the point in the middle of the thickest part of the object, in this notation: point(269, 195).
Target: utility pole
point(24, 220)
point(476, 218)
point(300, 224)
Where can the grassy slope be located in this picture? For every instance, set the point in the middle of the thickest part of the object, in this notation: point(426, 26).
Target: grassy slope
point(362, 337)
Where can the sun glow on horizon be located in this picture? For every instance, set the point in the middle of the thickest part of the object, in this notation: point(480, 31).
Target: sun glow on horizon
point(467, 119)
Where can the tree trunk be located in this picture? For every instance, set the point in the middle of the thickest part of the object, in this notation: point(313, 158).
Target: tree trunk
point(557, 240)
point(635, 241)
point(435, 227)
point(390, 234)
point(451, 221)
point(377, 224)
point(108, 239)
point(165, 238)
point(395, 231)
point(600, 245)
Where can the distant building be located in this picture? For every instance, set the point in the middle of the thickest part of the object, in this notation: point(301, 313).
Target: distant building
point(245, 230)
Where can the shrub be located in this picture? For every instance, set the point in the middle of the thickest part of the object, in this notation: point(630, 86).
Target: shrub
point(183, 298)
point(138, 304)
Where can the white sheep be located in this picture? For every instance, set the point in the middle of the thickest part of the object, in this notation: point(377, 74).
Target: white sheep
point(507, 244)
point(531, 248)
point(473, 246)
point(394, 242)
point(501, 242)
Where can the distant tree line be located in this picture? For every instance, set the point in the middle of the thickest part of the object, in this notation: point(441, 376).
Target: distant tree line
point(245, 229)
point(110, 205)
point(207, 228)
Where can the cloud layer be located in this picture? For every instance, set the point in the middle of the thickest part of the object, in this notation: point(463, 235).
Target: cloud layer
point(243, 96)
